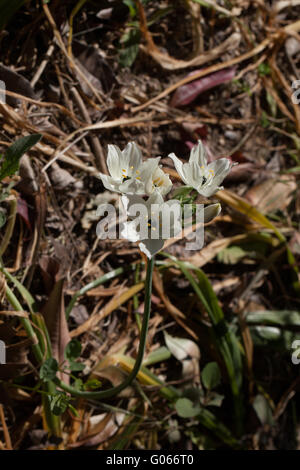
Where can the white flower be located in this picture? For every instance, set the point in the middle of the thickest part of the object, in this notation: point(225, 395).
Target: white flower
point(205, 178)
point(157, 221)
point(130, 175)
point(160, 182)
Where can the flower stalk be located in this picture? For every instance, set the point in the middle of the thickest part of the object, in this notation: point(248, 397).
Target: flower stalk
point(111, 392)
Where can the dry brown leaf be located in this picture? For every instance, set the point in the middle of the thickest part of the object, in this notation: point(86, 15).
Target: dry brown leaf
point(200, 258)
point(115, 303)
point(289, 29)
point(169, 63)
point(60, 177)
point(272, 194)
point(55, 318)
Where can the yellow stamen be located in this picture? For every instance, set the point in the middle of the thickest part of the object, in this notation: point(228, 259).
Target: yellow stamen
point(155, 181)
point(138, 177)
point(212, 172)
point(131, 167)
point(137, 172)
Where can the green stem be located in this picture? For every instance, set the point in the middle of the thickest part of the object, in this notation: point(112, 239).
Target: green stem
point(135, 298)
point(116, 390)
point(52, 420)
point(12, 299)
point(92, 285)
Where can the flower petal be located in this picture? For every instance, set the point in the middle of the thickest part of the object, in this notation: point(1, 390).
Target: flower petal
point(221, 166)
point(129, 231)
point(191, 172)
point(132, 186)
point(210, 190)
point(114, 161)
point(198, 154)
point(178, 165)
point(110, 183)
point(132, 156)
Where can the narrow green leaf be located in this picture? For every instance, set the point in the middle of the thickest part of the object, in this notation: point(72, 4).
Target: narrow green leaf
point(10, 161)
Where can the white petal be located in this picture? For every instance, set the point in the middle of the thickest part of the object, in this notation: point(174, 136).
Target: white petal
point(220, 166)
point(198, 154)
point(187, 170)
point(178, 165)
point(149, 166)
point(110, 183)
point(151, 247)
point(155, 198)
point(146, 171)
point(132, 186)
point(132, 155)
point(114, 161)
point(210, 190)
point(129, 231)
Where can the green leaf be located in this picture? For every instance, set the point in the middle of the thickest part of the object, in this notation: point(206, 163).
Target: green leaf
point(92, 384)
point(225, 338)
point(128, 55)
point(272, 104)
point(49, 369)
point(211, 376)
point(182, 192)
point(264, 120)
point(186, 409)
point(2, 219)
point(73, 350)
point(263, 69)
point(76, 366)
point(159, 355)
point(78, 384)
point(132, 7)
point(263, 410)
point(231, 255)
point(10, 161)
point(274, 318)
point(58, 403)
point(130, 41)
point(215, 399)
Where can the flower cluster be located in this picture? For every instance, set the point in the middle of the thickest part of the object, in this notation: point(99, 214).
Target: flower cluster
point(144, 184)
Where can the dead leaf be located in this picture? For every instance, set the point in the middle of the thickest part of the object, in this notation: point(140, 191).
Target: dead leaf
point(189, 92)
point(272, 194)
point(187, 352)
point(16, 83)
point(55, 318)
point(98, 72)
point(60, 177)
